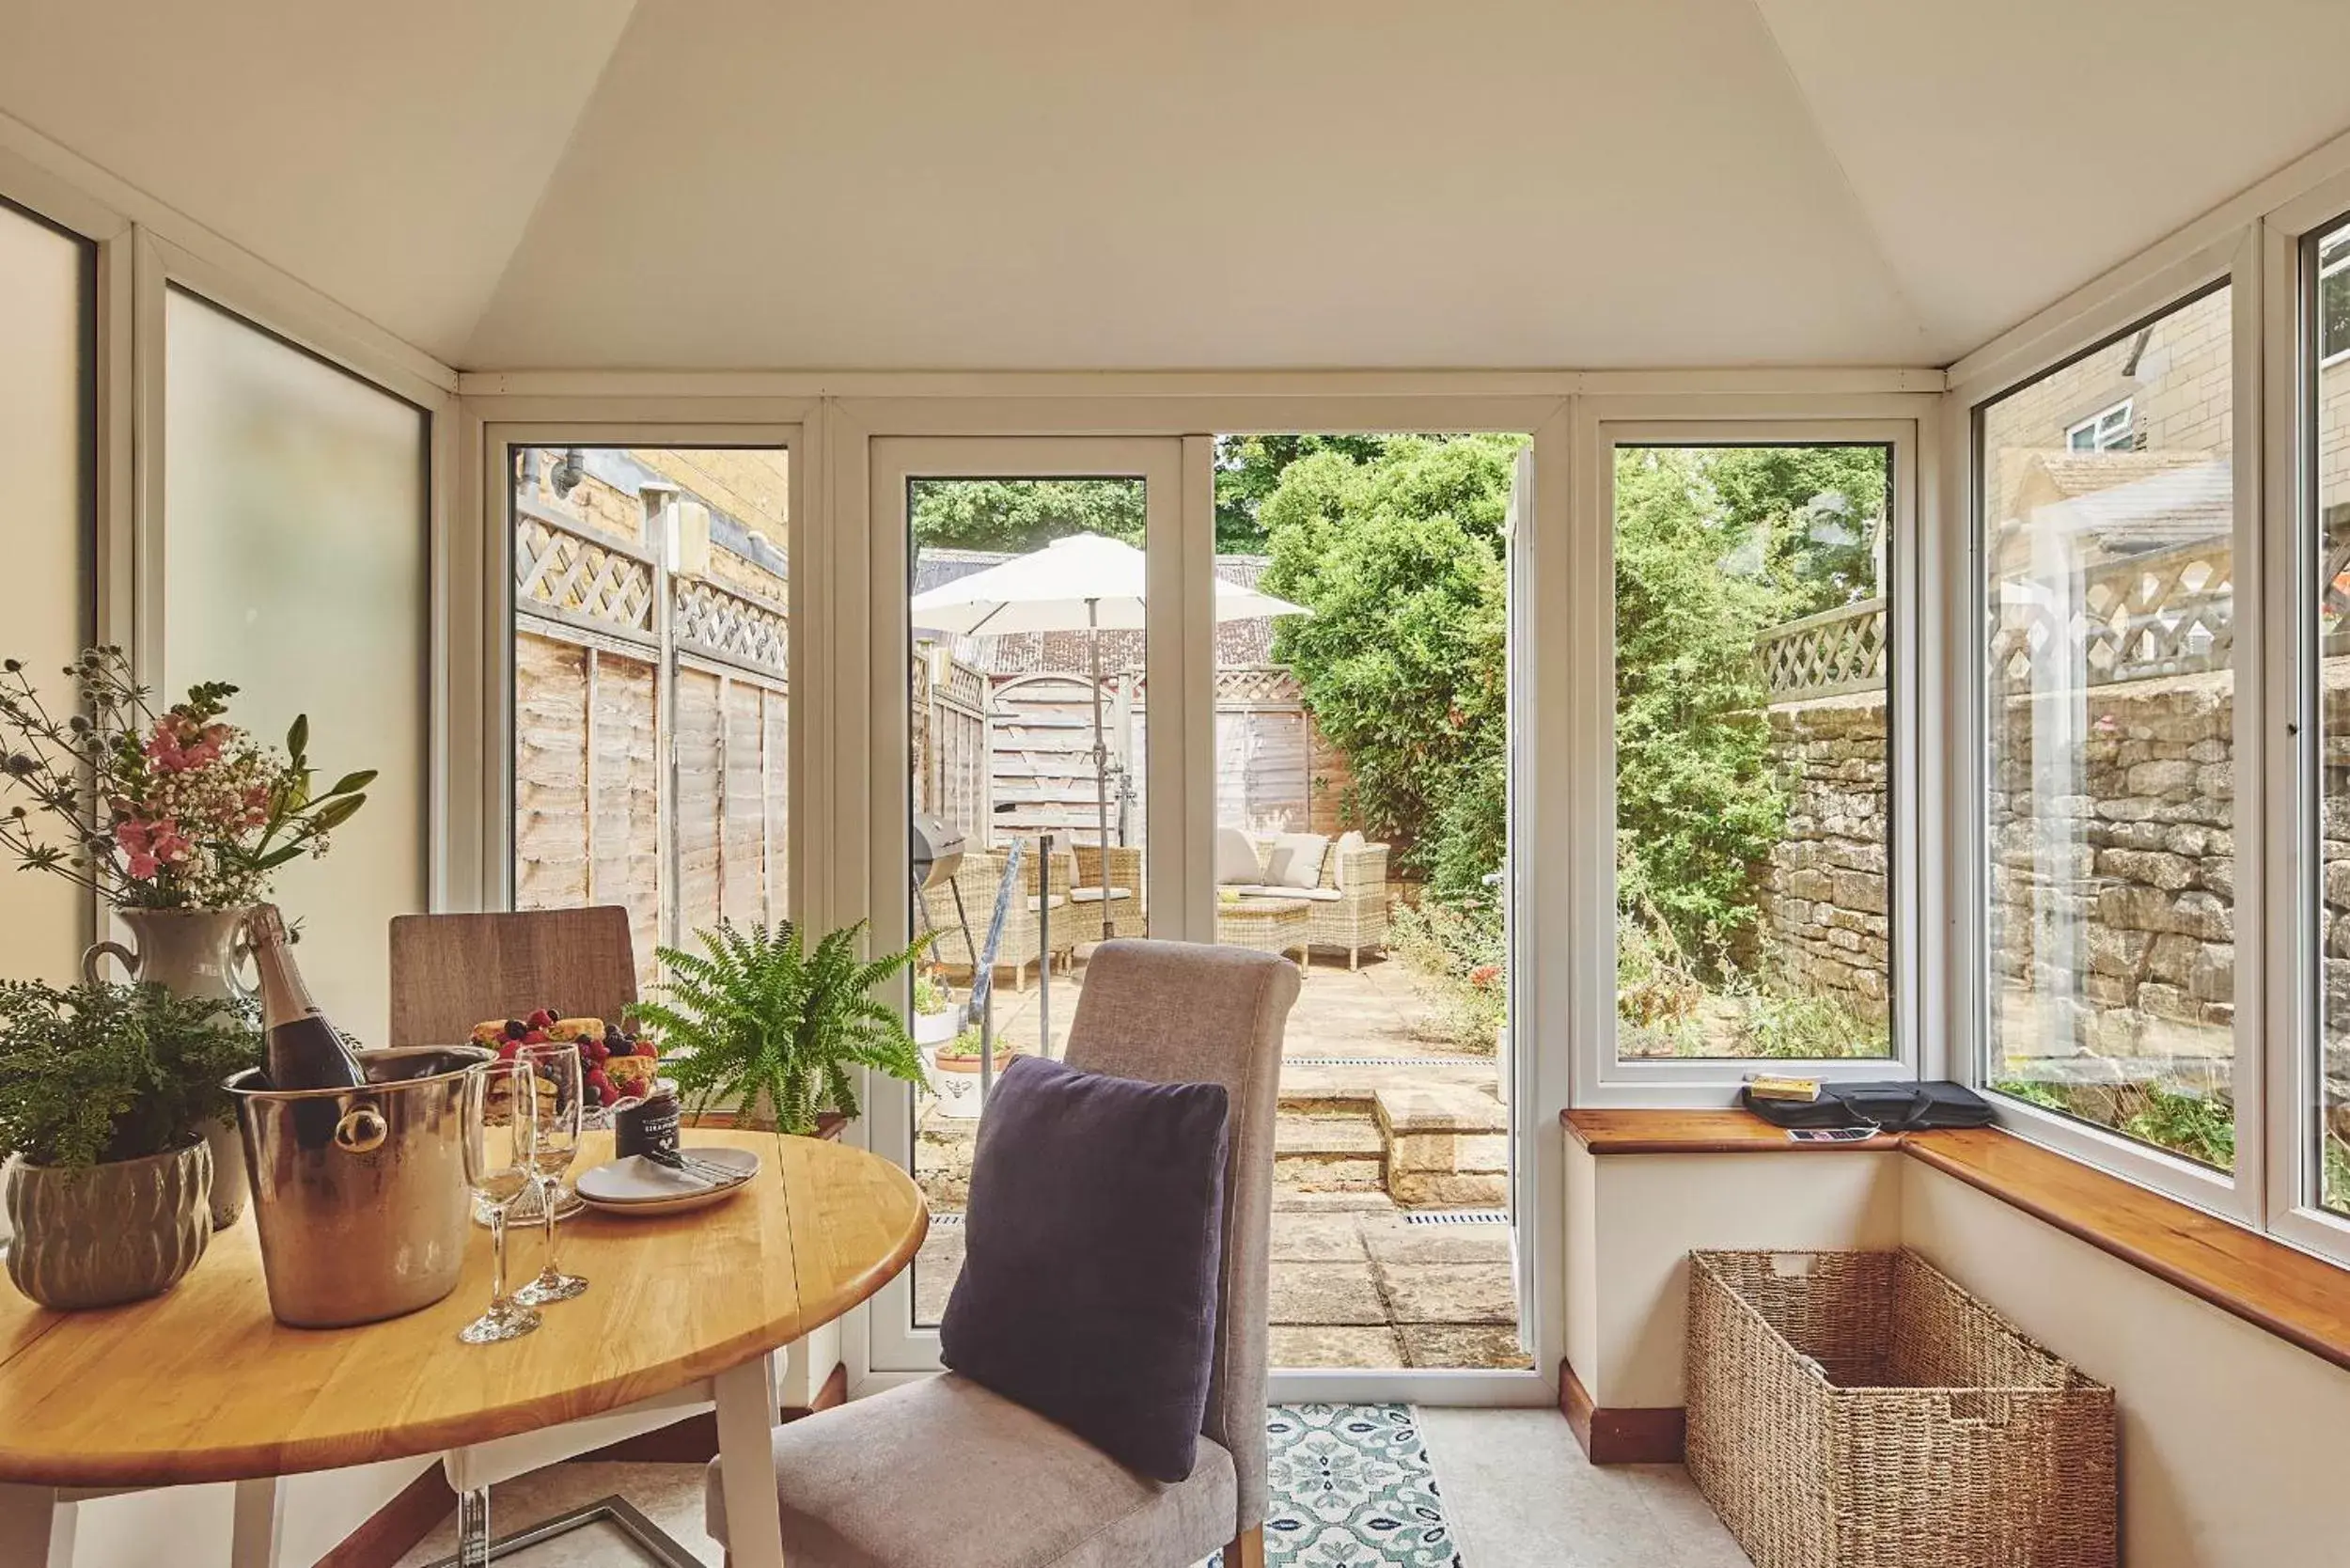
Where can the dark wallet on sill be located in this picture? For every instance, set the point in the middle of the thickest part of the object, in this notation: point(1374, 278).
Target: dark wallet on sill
point(1896, 1107)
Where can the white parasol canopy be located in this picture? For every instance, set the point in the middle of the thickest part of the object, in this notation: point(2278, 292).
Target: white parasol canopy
point(1081, 582)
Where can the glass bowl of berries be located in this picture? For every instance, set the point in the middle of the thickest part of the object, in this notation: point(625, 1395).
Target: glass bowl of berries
point(615, 1063)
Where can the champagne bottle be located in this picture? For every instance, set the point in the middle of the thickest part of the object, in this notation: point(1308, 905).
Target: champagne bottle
point(304, 1050)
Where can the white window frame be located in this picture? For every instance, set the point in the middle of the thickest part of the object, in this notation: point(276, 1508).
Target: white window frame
point(2099, 435)
point(2293, 974)
point(1602, 1079)
point(2338, 267)
point(2236, 1195)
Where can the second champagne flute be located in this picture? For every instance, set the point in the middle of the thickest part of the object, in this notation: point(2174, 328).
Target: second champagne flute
point(553, 1147)
point(498, 1168)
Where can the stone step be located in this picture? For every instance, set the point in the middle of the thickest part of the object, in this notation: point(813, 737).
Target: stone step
point(1448, 1146)
point(1332, 1151)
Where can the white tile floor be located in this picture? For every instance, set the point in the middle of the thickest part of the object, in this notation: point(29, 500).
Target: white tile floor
point(1517, 1488)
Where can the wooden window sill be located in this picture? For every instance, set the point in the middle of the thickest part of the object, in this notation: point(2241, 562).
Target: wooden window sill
point(2299, 1298)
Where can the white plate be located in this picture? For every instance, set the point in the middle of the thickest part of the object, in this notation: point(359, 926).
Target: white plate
point(636, 1185)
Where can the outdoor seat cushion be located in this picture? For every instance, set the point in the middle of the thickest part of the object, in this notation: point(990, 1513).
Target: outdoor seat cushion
point(1295, 860)
point(1093, 895)
point(1235, 858)
point(1092, 1244)
point(942, 1471)
point(1318, 895)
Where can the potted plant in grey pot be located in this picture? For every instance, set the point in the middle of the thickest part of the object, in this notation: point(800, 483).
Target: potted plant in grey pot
point(759, 1024)
point(107, 1092)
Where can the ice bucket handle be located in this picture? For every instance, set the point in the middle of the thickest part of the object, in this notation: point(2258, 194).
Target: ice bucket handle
point(362, 1130)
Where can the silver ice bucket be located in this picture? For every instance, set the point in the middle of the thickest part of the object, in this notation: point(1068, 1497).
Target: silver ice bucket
point(360, 1194)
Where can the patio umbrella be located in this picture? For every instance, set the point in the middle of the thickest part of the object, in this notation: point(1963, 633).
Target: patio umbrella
point(1083, 583)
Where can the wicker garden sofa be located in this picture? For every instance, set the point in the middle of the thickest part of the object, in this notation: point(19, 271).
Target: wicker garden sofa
point(1075, 907)
point(1348, 903)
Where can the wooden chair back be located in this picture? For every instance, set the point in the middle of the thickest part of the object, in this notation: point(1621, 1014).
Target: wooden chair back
point(450, 972)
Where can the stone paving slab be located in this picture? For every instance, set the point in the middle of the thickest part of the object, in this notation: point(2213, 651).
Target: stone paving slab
point(1317, 1236)
point(1337, 1295)
point(1326, 1345)
point(1462, 1344)
point(1391, 1240)
point(1449, 1292)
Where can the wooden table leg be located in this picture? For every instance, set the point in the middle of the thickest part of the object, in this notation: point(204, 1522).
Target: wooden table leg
point(37, 1526)
point(260, 1506)
point(746, 1462)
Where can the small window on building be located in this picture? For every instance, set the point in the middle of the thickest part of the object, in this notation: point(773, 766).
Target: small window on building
point(2106, 431)
point(2333, 297)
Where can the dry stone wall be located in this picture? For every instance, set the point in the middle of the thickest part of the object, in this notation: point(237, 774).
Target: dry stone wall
point(1826, 905)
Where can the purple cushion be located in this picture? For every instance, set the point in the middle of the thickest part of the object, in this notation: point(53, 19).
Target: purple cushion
point(1092, 1246)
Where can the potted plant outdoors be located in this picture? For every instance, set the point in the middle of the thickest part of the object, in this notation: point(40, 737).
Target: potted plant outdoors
point(936, 1016)
point(758, 1024)
point(106, 1095)
point(177, 818)
point(956, 1082)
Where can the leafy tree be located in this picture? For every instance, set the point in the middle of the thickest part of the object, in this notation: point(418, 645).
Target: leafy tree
point(1020, 515)
point(1400, 556)
point(1696, 808)
point(1248, 469)
point(1813, 512)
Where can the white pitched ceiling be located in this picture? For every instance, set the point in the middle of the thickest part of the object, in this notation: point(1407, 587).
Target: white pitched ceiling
point(388, 154)
point(1040, 183)
point(2010, 151)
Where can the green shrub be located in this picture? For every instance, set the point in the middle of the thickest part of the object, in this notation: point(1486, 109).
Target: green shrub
point(105, 1072)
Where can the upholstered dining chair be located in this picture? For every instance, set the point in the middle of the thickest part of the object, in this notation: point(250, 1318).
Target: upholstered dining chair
point(450, 972)
point(943, 1473)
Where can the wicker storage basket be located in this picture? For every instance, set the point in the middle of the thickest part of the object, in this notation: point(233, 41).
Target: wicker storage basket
point(1860, 1410)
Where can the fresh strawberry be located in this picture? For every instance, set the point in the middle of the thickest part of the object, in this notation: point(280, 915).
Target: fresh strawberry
point(536, 1037)
point(597, 1050)
point(646, 1048)
point(602, 1084)
point(506, 1050)
point(542, 1019)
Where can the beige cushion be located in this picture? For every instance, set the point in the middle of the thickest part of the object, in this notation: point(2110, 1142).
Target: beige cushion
point(1262, 890)
point(1296, 860)
point(942, 1471)
point(1349, 842)
point(1235, 858)
point(1093, 895)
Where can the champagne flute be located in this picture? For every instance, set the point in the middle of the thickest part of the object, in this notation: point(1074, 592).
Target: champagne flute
point(553, 1144)
point(498, 1168)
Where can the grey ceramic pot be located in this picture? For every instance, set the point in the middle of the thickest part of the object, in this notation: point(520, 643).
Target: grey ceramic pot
point(111, 1234)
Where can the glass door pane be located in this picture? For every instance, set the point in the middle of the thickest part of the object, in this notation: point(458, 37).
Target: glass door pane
point(1362, 733)
point(1027, 717)
point(1025, 577)
point(652, 687)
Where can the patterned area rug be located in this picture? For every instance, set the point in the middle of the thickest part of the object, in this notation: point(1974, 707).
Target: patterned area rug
point(1351, 1489)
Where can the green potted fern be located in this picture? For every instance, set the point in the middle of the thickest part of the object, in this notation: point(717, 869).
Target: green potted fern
point(758, 1024)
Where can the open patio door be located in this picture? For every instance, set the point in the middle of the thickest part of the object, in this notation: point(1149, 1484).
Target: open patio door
point(1031, 667)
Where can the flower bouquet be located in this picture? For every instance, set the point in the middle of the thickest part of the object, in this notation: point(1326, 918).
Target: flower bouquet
point(175, 809)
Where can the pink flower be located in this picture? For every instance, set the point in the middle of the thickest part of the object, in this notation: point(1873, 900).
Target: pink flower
point(1484, 975)
point(178, 745)
point(142, 863)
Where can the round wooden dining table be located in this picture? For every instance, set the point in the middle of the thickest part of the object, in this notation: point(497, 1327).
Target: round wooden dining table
point(202, 1385)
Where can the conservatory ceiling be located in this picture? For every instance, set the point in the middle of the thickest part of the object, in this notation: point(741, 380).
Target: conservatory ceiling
point(1226, 184)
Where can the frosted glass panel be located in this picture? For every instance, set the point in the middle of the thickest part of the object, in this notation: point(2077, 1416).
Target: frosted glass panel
point(295, 540)
point(45, 390)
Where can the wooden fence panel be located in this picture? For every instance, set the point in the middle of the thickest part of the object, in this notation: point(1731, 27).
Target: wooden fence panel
point(1260, 769)
point(626, 807)
point(550, 772)
point(776, 765)
point(696, 799)
point(743, 808)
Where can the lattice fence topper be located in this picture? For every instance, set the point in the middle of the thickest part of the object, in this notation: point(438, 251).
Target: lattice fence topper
point(1268, 683)
point(726, 624)
point(2168, 612)
point(1826, 654)
point(582, 576)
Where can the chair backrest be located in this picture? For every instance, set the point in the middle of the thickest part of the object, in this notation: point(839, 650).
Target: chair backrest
point(450, 972)
point(1182, 1012)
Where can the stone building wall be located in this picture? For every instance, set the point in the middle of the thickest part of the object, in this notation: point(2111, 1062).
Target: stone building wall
point(1826, 921)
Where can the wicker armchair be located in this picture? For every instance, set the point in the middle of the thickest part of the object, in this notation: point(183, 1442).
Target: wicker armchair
point(1127, 914)
point(977, 878)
